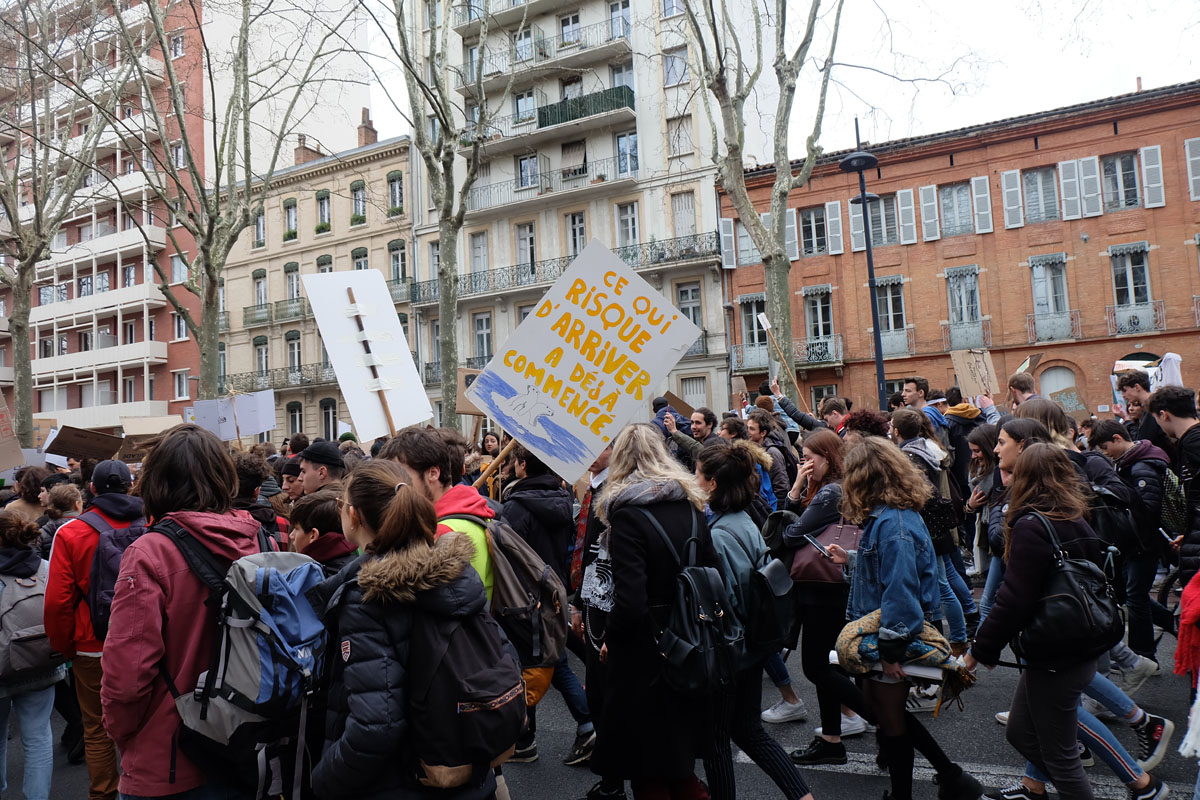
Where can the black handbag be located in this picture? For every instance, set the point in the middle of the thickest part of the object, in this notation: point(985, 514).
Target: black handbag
point(1077, 617)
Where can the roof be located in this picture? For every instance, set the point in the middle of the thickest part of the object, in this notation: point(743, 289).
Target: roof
point(316, 165)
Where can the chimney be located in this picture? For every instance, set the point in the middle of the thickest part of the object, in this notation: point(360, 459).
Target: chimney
point(304, 153)
point(1139, 83)
point(366, 131)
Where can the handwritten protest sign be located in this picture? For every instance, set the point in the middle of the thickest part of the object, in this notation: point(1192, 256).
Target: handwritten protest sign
point(465, 378)
point(242, 415)
point(1071, 403)
point(80, 443)
point(583, 363)
point(975, 372)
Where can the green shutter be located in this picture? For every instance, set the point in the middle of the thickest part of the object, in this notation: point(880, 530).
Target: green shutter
point(259, 340)
point(291, 336)
point(322, 194)
point(358, 252)
point(220, 345)
point(288, 203)
point(395, 174)
point(294, 406)
point(291, 266)
point(358, 185)
point(329, 402)
point(324, 260)
point(403, 318)
point(395, 244)
point(258, 273)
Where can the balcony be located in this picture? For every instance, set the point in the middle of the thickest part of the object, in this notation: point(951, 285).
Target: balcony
point(818, 351)
point(5, 328)
point(102, 358)
point(749, 358)
point(601, 42)
point(433, 373)
point(468, 16)
point(108, 416)
point(279, 378)
point(222, 321)
point(104, 247)
point(594, 177)
point(1052, 327)
point(401, 289)
point(294, 308)
point(530, 128)
point(697, 247)
point(6, 376)
point(897, 343)
point(1136, 318)
point(253, 316)
point(966, 335)
point(98, 303)
point(699, 347)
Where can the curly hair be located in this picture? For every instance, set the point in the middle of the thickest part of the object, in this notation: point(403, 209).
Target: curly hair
point(876, 472)
point(16, 530)
point(867, 422)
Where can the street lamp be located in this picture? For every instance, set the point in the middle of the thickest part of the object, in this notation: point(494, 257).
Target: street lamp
point(858, 162)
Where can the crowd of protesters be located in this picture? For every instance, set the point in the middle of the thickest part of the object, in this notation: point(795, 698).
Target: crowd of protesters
point(886, 523)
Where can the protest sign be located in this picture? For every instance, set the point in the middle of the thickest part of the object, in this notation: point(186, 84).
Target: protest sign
point(368, 350)
point(80, 443)
point(465, 378)
point(1029, 364)
point(41, 430)
point(237, 416)
point(141, 427)
point(680, 405)
point(583, 363)
point(975, 373)
point(343, 428)
point(10, 449)
point(1070, 402)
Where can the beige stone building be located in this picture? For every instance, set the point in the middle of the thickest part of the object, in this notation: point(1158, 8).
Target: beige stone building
point(328, 213)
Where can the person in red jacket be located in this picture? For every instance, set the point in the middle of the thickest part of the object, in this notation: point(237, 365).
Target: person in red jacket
point(155, 588)
point(69, 623)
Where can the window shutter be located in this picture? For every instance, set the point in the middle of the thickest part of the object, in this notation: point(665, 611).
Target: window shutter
point(1010, 190)
point(291, 266)
point(1089, 187)
point(907, 212)
point(789, 235)
point(1191, 151)
point(981, 198)
point(929, 214)
point(858, 239)
point(833, 228)
point(1152, 177)
point(728, 243)
point(1068, 184)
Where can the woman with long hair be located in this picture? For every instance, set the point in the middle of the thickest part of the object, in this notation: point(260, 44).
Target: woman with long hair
point(649, 734)
point(894, 572)
point(725, 472)
point(981, 476)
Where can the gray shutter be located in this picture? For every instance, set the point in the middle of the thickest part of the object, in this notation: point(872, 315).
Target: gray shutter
point(1089, 187)
point(1068, 189)
point(929, 214)
point(1191, 152)
point(728, 243)
point(906, 210)
point(981, 199)
point(833, 228)
point(1152, 177)
point(789, 235)
point(1010, 191)
point(858, 240)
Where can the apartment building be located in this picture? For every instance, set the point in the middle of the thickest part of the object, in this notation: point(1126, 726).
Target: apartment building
point(106, 343)
point(327, 213)
point(1070, 233)
point(601, 135)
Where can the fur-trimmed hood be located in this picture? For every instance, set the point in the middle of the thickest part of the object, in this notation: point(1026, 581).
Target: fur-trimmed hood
point(408, 576)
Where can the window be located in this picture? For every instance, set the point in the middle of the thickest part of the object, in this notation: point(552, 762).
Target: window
point(891, 306)
point(1131, 283)
point(747, 253)
point(129, 394)
point(568, 28)
point(482, 326)
point(687, 298)
point(1119, 177)
point(128, 276)
point(527, 167)
point(627, 225)
point(574, 160)
point(45, 349)
point(177, 156)
point(360, 259)
point(1049, 287)
point(622, 75)
point(261, 358)
point(85, 287)
point(291, 218)
point(672, 7)
point(570, 87)
point(260, 291)
point(819, 393)
point(45, 295)
point(150, 386)
point(479, 252)
point(291, 281)
point(955, 201)
point(433, 15)
point(358, 200)
point(526, 252)
point(523, 312)
point(963, 296)
point(85, 341)
point(323, 209)
point(130, 333)
point(818, 312)
point(178, 326)
point(101, 282)
point(882, 214)
point(694, 391)
point(679, 135)
point(683, 213)
point(398, 262)
point(260, 229)
point(675, 66)
point(576, 233)
point(893, 386)
point(179, 269)
point(293, 351)
point(295, 414)
point(181, 384)
point(523, 44)
point(618, 18)
point(1041, 194)
point(150, 331)
point(752, 331)
point(435, 258)
point(176, 45)
point(396, 192)
point(627, 153)
point(329, 418)
point(812, 231)
point(324, 264)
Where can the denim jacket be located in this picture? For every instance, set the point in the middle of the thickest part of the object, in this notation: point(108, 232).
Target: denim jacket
point(894, 571)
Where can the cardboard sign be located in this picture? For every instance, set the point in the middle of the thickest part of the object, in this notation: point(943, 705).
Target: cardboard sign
point(465, 378)
point(975, 372)
point(80, 443)
point(367, 380)
point(1069, 400)
point(142, 427)
point(583, 363)
point(679, 404)
point(10, 449)
point(1029, 364)
point(41, 430)
point(240, 415)
point(737, 386)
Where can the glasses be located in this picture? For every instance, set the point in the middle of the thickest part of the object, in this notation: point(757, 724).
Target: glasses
point(341, 504)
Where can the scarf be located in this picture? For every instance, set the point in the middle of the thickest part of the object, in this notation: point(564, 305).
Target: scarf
point(964, 410)
point(636, 490)
point(1187, 646)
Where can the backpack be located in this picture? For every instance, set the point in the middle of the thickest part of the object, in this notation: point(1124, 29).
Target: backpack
point(106, 564)
point(768, 607)
point(700, 643)
point(1112, 520)
point(528, 598)
point(466, 700)
point(24, 644)
point(250, 708)
point(1174, 504)
point(790, 461)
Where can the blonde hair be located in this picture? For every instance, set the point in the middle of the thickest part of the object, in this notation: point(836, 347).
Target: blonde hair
point(638, 456)
point(875, 471)
point(62, 500)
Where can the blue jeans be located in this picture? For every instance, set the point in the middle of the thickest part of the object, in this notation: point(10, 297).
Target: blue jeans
point(212, 791)
point(1139, 578)
point(777, 671)
point(995, 577)
point(33, 715)
point(567, 684)
point(950, 606)
point(959, 585)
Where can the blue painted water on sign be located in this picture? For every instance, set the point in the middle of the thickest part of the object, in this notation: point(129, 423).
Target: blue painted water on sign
point(529, 416)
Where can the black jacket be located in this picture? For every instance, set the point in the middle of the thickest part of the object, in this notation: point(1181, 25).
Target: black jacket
point(48, 531)
point(780, 483)
point(1141, 467)
point(1188, 461)
point(540, 509)
point(959, 428)
point(368, 608)
point(804, 420)
point(1095, 469)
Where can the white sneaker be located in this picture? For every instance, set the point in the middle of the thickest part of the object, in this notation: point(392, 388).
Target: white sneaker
point(1097, 709)
point(919, 701)
point(783, 711)
point(851, 726)
point(1132, 679)
point(1002, 717)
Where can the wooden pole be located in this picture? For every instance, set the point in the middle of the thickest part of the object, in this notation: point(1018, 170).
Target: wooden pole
point(387, 411)
point(783, 362)
point(495, 465)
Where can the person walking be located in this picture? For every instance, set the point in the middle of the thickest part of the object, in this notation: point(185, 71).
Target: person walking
point(763, 431)
point(1174, 410)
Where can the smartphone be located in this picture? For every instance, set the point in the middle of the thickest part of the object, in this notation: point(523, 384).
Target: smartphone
point(820, 547)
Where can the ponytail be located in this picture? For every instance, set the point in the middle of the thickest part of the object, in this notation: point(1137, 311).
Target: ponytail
point(732, 469)
point(383, 494)
point(16, 530)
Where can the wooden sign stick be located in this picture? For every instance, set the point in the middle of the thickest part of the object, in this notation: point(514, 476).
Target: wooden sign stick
point(233, 396)
point(783, 362)
point(387, 411)
point(495, 465)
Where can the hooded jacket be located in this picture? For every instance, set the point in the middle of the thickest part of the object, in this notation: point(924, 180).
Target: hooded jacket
point(923, 454)
point(156, 590)
point(780, 484)
point(23, 562)
point(369, 609)
point(540, 509)
point(1141, 467)
point(68, 621)
point(264, 512)
point(960, 421)
point(462, 499)
point(332, 551)
point(48, 530)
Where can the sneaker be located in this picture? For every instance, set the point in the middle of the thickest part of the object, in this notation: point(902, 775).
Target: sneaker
point(1154, 737)
point(783, 711)
point(962, 786)
point(1002, 717)
point(1155, 790)
point(581, 751)
point(1133, 679)
point(820, 751)
point(1085, 756)
point(599, 792)
point(1098, 710)
point(851, 726)
point(1018, 791)
point(918, 701)
point(525, 753)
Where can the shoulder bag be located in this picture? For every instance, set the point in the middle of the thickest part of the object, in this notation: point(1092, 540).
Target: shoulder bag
point(811, 566)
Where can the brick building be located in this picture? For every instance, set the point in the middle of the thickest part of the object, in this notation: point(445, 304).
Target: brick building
point(1072, 233)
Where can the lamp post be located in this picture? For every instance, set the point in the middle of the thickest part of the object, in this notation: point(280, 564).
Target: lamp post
point(858, 162)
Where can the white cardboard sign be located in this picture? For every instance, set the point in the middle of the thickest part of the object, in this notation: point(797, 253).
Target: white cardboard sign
point(244, 414)
point(584, 362)
point(395, 372)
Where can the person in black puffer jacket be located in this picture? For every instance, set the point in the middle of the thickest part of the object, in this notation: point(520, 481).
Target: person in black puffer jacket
point(64, 502)
point(369, 608)
point(1174, 409)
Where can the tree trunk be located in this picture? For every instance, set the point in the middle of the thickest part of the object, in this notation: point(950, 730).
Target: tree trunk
point(448, 319)
point(208, 338)
point(22, 366)
point(779, 312)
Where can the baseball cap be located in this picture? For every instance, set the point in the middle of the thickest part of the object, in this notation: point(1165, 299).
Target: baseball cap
point(323, 452)
point(111, 476)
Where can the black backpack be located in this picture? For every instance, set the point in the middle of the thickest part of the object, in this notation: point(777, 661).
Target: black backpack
point(769, 611)
point(466, 700)
point(702, 638)
point(106, 564)
point(790, 461)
